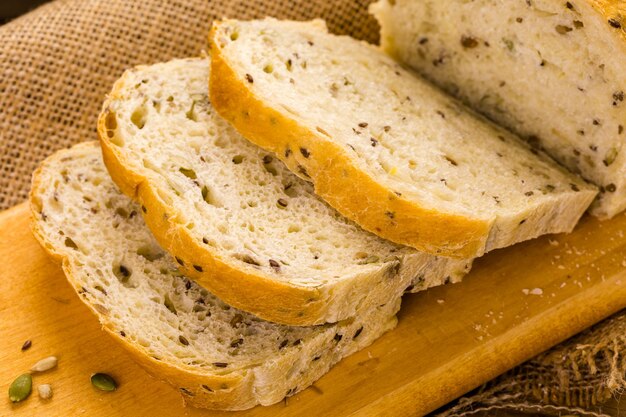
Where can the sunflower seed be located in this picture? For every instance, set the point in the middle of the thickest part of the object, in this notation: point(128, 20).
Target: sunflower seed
point(45, 364)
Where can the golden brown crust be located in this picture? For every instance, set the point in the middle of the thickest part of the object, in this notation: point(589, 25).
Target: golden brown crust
point(238, 393)
point(385, 213)
point(247, 384)
point(245, 290)
point(614, 13)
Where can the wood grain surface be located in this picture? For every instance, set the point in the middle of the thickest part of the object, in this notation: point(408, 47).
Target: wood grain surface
point(516, 303)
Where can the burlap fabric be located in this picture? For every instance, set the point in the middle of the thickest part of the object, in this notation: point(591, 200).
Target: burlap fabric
point(58, 62)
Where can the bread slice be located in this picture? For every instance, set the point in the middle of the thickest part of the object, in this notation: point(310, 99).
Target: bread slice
point(236, 219)
point(217, 356)
point(382, 146)
point(553, 71)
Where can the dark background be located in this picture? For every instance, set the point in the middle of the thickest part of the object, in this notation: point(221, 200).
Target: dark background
point(10, 9)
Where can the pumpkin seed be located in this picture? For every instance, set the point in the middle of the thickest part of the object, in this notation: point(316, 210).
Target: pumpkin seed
point(103, 382)
point(20, 388)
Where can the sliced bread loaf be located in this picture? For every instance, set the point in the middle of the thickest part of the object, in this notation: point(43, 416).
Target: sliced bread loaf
point(382, 146)
point(235, 218)
point(217, 356)
point(553, 71)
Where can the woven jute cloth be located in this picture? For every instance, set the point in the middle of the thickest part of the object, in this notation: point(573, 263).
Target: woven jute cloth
point(58, 62)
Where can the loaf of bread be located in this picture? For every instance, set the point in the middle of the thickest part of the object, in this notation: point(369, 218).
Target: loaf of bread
point(217, 356)
point(552, 71)
point(384, 147)
point(235, 218)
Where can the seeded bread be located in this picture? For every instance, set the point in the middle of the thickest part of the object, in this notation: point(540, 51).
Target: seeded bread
point(217, 356)
point(235, 218)
point(381, 145)
point(553, 71)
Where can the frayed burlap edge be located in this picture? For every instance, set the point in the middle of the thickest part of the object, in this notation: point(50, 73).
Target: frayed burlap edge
point(576, 377)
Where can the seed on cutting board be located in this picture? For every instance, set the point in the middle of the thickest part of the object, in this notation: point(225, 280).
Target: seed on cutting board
point(45, 364)
point(20, 388)
point(27, 344)
point(103, 382)
point(45, 391)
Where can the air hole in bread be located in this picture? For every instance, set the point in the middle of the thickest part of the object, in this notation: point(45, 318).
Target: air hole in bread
point(191, 113)
point(139, 116)
point(209, 197)
point(110, 124)
point(222, 143)
point(167, 302)
point(246, 258)
point(290, 190)
point(122, 272)
point(271, 169)
point(150, 253)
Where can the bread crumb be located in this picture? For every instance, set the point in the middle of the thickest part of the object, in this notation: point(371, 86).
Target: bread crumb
point(534, 291)
point(45, 391)
point(554, 242)
point(440, 301)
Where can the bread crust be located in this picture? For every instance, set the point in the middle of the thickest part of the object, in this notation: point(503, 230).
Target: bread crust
point(247, 287)
point(239, 396)
point(607, 16)
point(613, 12)
point(237, 390)
point(269, 299)
point(334, 176)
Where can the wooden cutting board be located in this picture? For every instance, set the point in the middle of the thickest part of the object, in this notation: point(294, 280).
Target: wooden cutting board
point(516, 303)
